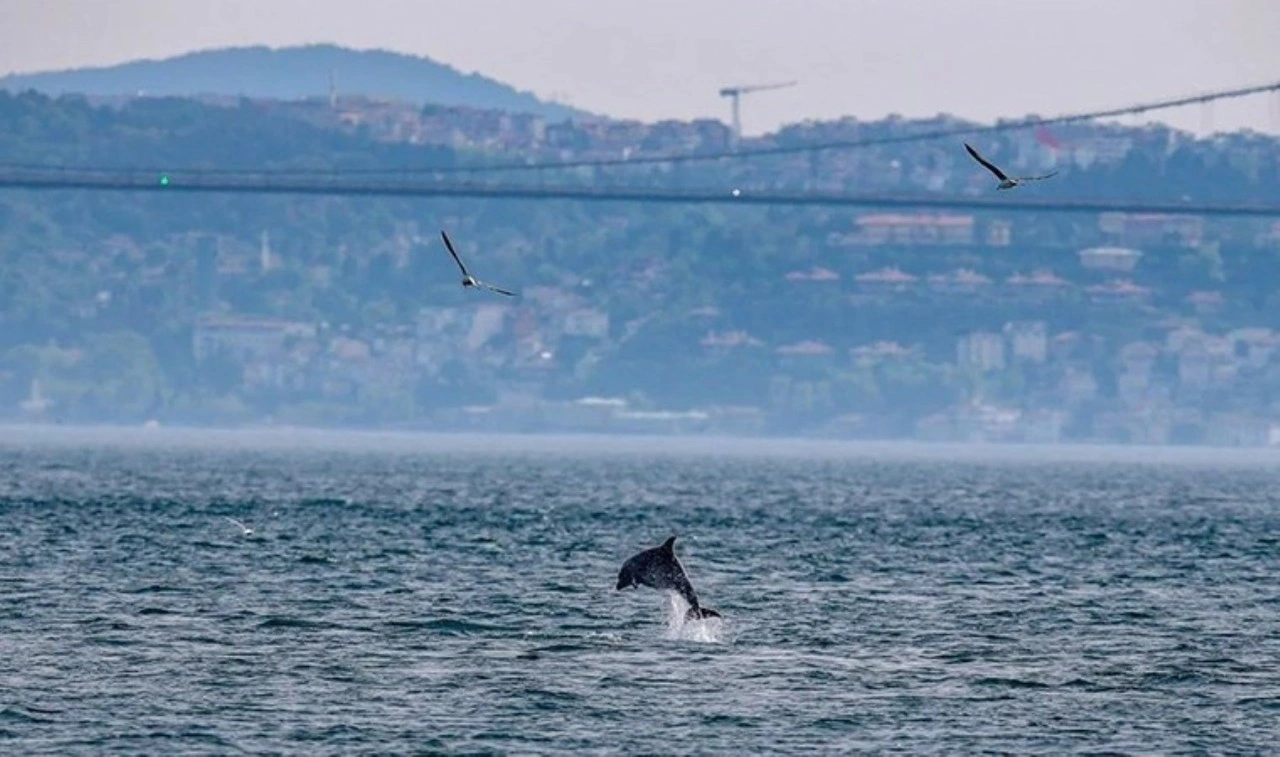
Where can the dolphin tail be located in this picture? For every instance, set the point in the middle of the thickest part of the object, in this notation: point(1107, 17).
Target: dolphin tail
point(701, 613)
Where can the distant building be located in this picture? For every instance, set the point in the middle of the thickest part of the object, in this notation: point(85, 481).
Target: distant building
point(1119, 290)
point(1132, 387)
point(885, 280)
point(1195, 367)
point(1204, 302)
point(1028, 340)
point(999, 234)
point(1183, 338)
point(817, 273)
point(1101, 148)
point(729, 339)
point(1110, 258)
point(960, 281)
point(1038, 287)
point(350, 350)
point(1253, 347)
point(588, 413)
point(1137, 359)
point(487, 322)
point(246, 338)
point(808, 347)
point(914, 229)
point(1135, 372)
point(1078, 385)
point(587, 322)
point(36, 403)
point(981, 351)
point(1238, 430)
point(873, 354)
point(1153, 228)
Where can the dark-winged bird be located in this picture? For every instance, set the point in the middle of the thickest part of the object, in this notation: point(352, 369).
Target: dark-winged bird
point(467, 279)
point(1005, 181)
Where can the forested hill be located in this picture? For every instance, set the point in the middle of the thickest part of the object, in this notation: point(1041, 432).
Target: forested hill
point(175, 133)
point(292, 73)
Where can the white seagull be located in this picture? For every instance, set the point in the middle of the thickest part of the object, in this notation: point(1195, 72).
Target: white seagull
point(247, 531)
point(467, 279)
point(1005, 181)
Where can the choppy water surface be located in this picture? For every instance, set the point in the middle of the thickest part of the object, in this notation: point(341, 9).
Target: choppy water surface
point(406, 597)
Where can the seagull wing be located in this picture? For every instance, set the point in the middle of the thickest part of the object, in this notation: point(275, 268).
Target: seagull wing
point(985, 163)
point(1039, 178)
point(238, 523)
point(449, 245)
point(493, 288)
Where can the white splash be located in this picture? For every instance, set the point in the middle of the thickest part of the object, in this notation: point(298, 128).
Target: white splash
point(247, 530)
point(706, 630)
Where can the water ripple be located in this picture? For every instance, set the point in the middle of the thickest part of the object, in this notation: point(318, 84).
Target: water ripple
point(403, 599)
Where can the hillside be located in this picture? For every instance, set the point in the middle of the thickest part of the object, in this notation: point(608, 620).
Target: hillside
point(294, 73)
point(226, 308)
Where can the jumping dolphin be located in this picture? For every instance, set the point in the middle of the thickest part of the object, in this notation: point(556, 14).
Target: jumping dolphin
point(1005, 181)
point(658, 568)
point(467, 279)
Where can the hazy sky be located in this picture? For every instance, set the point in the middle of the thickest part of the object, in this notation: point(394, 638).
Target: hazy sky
point(655, 59)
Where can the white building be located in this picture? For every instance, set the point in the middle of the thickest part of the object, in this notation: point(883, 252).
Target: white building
point(246, 338)
point(1110, 258)
point(981, 351)
point(1028, 340)
point(587, 322)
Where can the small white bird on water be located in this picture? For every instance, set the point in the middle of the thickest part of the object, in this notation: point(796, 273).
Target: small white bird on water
point(1005, 181)
point(467, 279)
point(247, 531)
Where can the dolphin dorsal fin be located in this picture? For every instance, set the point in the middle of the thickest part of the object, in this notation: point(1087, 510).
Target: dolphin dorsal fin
point(669, 544)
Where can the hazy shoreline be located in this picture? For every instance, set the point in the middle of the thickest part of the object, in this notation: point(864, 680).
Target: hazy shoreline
point(462, 442)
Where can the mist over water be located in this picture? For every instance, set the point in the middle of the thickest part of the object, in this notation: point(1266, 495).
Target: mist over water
point(405, 593)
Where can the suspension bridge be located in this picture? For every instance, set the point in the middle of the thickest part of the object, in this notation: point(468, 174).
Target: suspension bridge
point(1203, 99)
point(337, 184)
point(435, 181)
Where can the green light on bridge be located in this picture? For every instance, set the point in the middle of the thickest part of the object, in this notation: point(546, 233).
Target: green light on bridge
point(164, 179)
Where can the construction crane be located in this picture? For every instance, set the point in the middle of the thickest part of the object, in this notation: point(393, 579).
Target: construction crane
point(736, 93)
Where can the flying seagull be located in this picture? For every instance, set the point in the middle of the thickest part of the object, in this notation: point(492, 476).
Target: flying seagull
point(467, 279)
point(1005, 181)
